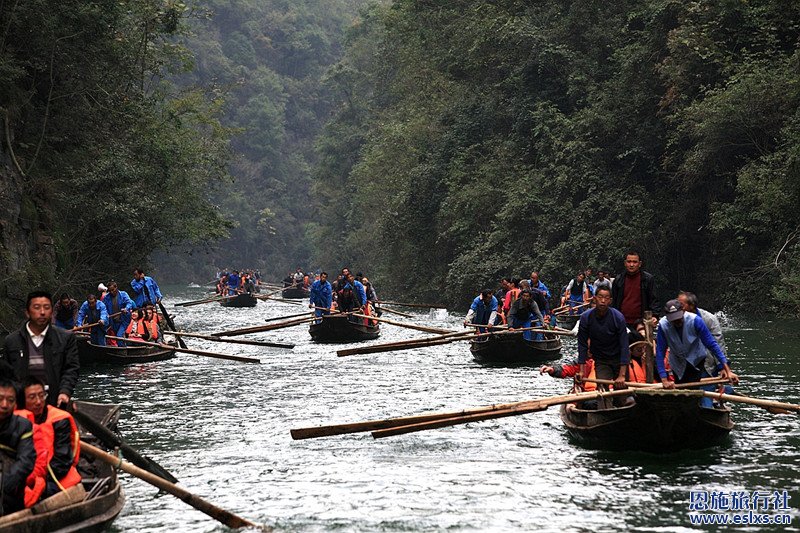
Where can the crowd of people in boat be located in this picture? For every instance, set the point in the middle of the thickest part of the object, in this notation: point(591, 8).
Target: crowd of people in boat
point(234, 282)
point(613, 314)
point(348, 293)
point(111, 315)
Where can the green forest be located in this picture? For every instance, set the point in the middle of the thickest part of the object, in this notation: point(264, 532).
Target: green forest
point(436, 146)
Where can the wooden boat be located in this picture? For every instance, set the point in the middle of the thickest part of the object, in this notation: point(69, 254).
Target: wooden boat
point(567, 321)
point(92, 353)
point(240, 300)
point(96, 511)
point(512, 348)
point(295, 293)
point(341, 328)
point(657, 421)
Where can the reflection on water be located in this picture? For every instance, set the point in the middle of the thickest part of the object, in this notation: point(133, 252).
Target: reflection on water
point(223, 429)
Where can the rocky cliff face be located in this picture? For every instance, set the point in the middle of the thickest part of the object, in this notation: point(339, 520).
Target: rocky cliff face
point(27, 251)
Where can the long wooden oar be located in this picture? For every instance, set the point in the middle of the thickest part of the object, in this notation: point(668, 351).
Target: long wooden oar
point(383, 309)
point(217, 513)
point(421, 306)
point(231, 341)
point(521, 409)
point(215, 355)
point(216, 298)
point(171, 324)
point(766, 404)
point(259, 329)
point(112, 440)
point(426, 329)
point(88, 326)
point(406, 345)
point(636, 384)
point(273, 319)
point(373, 425)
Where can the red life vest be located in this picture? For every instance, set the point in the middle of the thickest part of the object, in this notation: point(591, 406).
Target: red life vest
point(136, 329)
point(43, 443)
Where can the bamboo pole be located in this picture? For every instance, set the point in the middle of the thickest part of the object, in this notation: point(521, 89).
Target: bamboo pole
point(186, 350)
point(421, 306)
point(267, 327)
point(404, 325)
point(373, 425)
point(383, 309)
point(89, 326)
point(650, 352)
point(217, 513)
point(216, 298)
point(231, 341)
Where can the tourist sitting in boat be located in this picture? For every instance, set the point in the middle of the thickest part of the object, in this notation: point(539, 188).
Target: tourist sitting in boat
point(604, 327)
point(151, 323)
point(65, 312)
point(522, 313)
point(93, 311)
point(689, 341)
point(247, 284)
point(576, 293)
point(321, 295)
point(17, 454)
point(118, 303)
point(483, 311)
point(145, 289)
point(57, 443)
point(137, 328)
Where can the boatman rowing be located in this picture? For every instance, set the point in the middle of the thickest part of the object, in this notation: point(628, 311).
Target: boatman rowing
point(483, 310)
point(689, 342)
point(604, 327)
point(321, 295)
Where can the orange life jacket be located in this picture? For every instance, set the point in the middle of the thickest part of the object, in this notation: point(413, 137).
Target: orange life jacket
point(588, 386)
point(636, 372)
point(137, 333)
point(43, 442)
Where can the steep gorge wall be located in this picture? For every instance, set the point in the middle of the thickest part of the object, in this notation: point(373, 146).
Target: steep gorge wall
point(27, 251)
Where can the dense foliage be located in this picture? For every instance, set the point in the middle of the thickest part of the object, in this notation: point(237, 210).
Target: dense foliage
point(474, 139)
point(268, 59)
point(112, 161)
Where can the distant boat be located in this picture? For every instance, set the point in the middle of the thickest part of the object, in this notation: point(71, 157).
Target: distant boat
point(295, 293)
point(510, 348)
point(240, 300)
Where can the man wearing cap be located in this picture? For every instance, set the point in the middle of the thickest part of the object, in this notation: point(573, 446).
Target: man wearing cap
point(688, 338)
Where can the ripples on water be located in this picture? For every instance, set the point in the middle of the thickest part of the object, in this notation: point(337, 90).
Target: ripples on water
point(223, 429)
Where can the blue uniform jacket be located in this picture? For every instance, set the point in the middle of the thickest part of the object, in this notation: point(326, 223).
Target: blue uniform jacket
point(483, 311)
point(321, 294)
point(139, 293)
point(124, 302)
point(84, 311)
point(687, 347)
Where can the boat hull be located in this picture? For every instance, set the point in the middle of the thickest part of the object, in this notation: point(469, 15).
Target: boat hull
point(94, 514)
point(568, 321)
point(659, 422)
point(241, 300)
point(93, 354)
point(295, 293)
point(514, 349)
point(340, 329)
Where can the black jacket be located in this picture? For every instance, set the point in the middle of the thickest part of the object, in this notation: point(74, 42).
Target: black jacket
point(649, 302)
point(16, 447)
point(61, 364)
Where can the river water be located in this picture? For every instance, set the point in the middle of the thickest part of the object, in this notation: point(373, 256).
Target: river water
point(223, 429)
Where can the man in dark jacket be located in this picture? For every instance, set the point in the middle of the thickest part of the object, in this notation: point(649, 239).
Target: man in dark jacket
point(17, 454)
point(48, 353)
point(634, 292)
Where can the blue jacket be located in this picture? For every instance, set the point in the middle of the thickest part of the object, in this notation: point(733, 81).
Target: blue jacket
point(124, 302)
point(609, 336)
point(84, 311)
point(139, 293)
point(542, 287)
point(687, 347)
point(483, 311)
point(321, 294)
point(362, 292)
point(234, 281)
